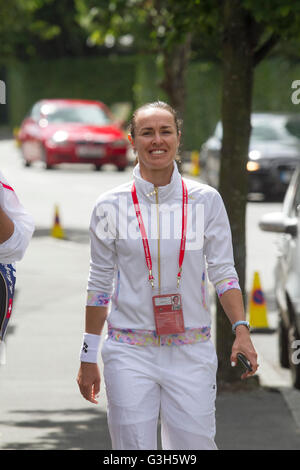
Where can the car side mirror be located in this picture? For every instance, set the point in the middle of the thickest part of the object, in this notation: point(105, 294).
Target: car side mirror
point(277, 222)
point(291, 227)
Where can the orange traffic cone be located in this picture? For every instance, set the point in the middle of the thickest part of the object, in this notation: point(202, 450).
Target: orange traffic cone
point(57, 230)
point(258, 317)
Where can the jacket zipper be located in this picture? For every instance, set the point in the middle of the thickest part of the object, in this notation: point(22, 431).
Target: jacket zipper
point(158, 238)
point(158, 243)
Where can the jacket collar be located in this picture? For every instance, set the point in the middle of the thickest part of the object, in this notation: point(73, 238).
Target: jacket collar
point(146, 189)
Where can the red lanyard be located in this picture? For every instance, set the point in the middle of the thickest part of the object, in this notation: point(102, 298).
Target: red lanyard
point(144, 234)
point(6, 186)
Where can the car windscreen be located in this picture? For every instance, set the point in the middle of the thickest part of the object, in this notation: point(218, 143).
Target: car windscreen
point(260, 132)
point(91, 115)
point(263, 132)
point(274, 130)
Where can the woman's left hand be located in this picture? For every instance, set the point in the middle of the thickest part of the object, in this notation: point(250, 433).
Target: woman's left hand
point(243, 344)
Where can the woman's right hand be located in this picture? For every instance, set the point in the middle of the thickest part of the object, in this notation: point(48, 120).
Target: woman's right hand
point(88, 380)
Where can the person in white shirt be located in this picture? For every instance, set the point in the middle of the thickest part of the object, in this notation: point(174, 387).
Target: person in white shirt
point(16, 224)
point(16, 230)
point(154, 238)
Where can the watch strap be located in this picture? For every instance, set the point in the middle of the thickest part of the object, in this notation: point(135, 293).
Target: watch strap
point(240, 322)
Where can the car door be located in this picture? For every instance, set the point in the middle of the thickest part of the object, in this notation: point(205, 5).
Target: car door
point(287, 246)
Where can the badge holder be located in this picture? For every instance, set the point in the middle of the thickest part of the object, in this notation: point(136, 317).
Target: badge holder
point(168, 313)
point(167, 304)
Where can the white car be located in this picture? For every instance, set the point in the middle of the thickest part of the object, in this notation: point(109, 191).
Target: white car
point(287, 276)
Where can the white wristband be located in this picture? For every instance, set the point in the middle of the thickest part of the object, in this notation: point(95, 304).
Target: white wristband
point(90, 348)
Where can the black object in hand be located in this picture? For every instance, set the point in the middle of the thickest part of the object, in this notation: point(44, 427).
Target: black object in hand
point(244, 361)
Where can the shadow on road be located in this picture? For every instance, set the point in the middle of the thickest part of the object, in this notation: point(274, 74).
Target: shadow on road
point(77, 429)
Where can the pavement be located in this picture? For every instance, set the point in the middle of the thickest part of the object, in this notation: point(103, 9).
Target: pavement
point(260, 419)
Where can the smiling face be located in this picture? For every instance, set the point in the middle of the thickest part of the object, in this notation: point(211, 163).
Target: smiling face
point(156, 141)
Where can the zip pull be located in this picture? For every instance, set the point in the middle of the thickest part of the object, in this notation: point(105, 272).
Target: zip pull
point(153, 192)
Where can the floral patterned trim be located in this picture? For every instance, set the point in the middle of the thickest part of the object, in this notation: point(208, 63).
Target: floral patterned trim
point(225, 285)
point(150, 337)
point(96, 299)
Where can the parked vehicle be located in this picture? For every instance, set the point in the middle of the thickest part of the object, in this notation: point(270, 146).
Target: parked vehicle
point(72, 131)
point(274, 152)
point(287, 276)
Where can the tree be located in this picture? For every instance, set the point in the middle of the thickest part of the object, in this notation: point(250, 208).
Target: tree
point(42, 28)
point(250, 31)
point(148, 25)
point(246, 31)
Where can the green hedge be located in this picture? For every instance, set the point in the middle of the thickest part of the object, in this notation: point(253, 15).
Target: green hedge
point(106, 79)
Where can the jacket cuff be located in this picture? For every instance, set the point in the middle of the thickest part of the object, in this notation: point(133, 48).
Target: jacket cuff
point(97, 299)
point(225, 285)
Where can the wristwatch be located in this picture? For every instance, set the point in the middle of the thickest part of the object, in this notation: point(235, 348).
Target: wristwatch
point(240, 322)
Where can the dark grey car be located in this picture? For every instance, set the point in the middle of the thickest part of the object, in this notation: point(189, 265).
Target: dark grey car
point(274, 152)
point(287, 276)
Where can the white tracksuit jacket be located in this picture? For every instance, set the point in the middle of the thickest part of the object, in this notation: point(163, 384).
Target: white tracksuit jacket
point(14, 248)
point(118, 268)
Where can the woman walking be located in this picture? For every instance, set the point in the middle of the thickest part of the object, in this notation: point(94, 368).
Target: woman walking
point(155, 242)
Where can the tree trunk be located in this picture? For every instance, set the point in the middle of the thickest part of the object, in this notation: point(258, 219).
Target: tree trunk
point(238, 72)
point(175, 64)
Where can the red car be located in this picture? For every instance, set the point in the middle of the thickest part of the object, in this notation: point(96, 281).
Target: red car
point(72, 131)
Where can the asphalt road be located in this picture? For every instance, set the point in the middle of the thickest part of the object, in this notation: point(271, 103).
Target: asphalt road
point(40, 404)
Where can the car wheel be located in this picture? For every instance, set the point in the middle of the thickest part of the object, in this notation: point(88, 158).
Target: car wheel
point(294, 340)
point(98, 167)
point(283, 345)
point(44, 158)
point(121, 168)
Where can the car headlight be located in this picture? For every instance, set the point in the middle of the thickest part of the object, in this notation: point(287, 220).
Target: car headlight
point(253, 166)
point(254, 154)
point(60, 138)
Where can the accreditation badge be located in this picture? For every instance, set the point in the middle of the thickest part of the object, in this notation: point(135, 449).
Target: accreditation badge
point(168, 313)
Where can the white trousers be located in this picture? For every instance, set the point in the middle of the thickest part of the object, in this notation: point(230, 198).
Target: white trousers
point(176, 382)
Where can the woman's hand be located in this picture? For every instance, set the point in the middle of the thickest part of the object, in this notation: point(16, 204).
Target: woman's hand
point(243, 344)
point(88, 380)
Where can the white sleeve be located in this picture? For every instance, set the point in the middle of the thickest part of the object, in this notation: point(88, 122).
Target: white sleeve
point(14, 248)
point(103, 255)
point(218, 242)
